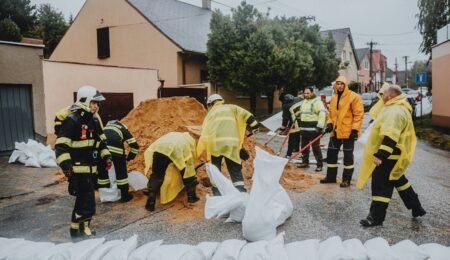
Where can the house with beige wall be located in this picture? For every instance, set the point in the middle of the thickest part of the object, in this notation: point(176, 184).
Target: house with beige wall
point(441, 78)
point(345, 51)
point(379, 69)
point(169, 36)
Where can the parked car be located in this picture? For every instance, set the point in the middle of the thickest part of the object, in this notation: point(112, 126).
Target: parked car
point(415, 94)
point(423, 90)
point(369, 99)
point(328, 92)
point(406, 90)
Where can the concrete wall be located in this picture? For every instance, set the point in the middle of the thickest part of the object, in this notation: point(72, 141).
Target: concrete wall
point(22, 64)
point(134, 42)
point(351, 72)
point(441, 84)
point(63, 79)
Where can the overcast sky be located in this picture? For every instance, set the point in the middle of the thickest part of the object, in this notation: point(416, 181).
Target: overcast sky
point(390, 23)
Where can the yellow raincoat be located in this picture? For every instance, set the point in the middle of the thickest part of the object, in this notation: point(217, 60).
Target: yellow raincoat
point(395, 121)
point(180, 148)
point(375, 110)
point(223, 131)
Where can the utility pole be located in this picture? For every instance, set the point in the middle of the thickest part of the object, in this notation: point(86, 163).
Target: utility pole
point(371, 44)
point(396, 75)
point(406, 70)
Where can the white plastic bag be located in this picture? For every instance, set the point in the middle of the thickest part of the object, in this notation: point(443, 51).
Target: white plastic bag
point(274, 122)
point(255, 250)
point(123, 250)
point(17, 155)
point(269, 204)
point(169, 252)
point(193, 253)
point(80, 250)
point(102, 250)
point(333, 249)
point(408, 250)
point(208, 248)
point(276, 249)
point(48, 253)
point(229, 249)
point(47, 158)
point(303, 250)
point(28, 250)
point(143, 251)
point(436, 251)
point(355, 249)
point(379, 249)
point(109, 194)
point(137, 180)
point(32, 162)
point(10, 245)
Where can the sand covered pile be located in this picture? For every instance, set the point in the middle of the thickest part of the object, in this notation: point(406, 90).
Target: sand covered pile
point(157, 117)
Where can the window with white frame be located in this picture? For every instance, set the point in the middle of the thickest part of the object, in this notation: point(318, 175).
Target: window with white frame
point(366, 64)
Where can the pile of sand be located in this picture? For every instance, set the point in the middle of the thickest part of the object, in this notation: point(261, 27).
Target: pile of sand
point(157, 117)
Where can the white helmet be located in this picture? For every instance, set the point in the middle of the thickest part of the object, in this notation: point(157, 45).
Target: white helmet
point(212, 98)
point(86, 94)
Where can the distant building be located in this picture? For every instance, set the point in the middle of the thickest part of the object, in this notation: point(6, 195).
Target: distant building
point(379, 68)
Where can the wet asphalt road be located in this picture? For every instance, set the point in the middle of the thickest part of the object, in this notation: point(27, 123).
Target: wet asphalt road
point(34, 204)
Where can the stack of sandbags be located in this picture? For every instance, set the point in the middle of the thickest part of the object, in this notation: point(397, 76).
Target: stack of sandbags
point(33, 154)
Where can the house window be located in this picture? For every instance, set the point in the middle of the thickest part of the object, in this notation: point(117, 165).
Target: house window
point(204, 76)
point(103, 43)
point(242, 95)
point(366, 64)
point(344, 55)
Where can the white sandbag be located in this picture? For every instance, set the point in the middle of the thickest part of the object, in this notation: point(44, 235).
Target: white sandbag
point(47, 158)
point(109, 194)
point(231, 201)
point(123, 250)
point(19, 156)
point(408, 250)
point(32, 162)
point(365, 135)
point(269, 204)
point(169, 252)
point(28, 250)
point(274, 122)
point(379, 249)
point(80, 250)
point(436, 251)
point(137, 180)
point(276, 249)
point(145, 250)
point(9, 246)
point(193, 253)
point(102, 250)
point(303, 250)
point(208, 248)
point(229, 249)
point(356, 249)
point(112, 175)
point(333, 249)
point(48, 253)
point(255, 250)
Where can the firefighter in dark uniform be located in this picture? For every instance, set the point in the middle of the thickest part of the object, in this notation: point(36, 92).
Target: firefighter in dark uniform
point(288, 118)
point(116, 134)
point(78, 148)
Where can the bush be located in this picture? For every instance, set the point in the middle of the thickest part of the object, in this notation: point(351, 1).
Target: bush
point(9, 31)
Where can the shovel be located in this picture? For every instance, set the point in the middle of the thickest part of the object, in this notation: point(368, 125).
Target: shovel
point(306, 146)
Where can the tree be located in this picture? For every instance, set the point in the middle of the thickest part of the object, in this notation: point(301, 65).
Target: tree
point(22, 12)
point(9, 31)
point(50, 27)
point(419, 66)
point(433, 15)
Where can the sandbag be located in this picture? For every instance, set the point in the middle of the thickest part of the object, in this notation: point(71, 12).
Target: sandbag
point(269, 204)
point(109, 194)
point(80, 250)
point(275, 248)
point(169, 252)
point(145, 250)
point(17, 156)
point(123, 250)
point(193, 253)
point(229, 249)
point(355, 249)
point(255, 250)
point(333, 249)
point(33, 154)
point(28, 250)
point(48, 253)
point(408, 250)
point(102, 250)
point(10, 245)
point(274, 122)
point(137, 180)
point(303, 250)
point(379, 249)
point(436, 251)
point(208, 248)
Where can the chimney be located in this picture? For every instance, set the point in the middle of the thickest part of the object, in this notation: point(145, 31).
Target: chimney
point(206, 4)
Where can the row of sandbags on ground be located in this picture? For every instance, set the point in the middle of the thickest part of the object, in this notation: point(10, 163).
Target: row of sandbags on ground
point(233, 249)
point(33, 154)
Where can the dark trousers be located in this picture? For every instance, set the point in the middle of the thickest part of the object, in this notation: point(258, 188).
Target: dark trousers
point(84, 207)
point(159, 167)
point(383, 188)
point(332, 158)
point(235, 170)
point(120, 167)
point(102, 176)
point(293, 144)
point(308, 136)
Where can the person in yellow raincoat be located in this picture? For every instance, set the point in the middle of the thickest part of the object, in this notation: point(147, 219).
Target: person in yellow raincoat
point(222, 137)
point(344, 123)
point(375, 110)
point(388, 151)
point(172, 158)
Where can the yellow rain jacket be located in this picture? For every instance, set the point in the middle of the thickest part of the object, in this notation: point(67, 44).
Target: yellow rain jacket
point(350, 114)
point(294, 109)
point(375, 110)
point(223, 131)
point(180, 148)
point(394, 121)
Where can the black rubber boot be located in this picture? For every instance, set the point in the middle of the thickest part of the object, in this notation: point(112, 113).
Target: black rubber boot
point(75, 230)
point(418, 212)
point(376, 216)
point(370, 222)
point(327, 180)
point(303, 165)
point(150, 205)
point(318, 168)
point(345, 184)
point(331, 176)
point(191, 194)
point(125, 196)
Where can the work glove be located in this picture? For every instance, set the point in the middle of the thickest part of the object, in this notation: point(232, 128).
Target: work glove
point(319, 129)
point(354, 135)
point(243, 154)
point(68, 172)
point(73, 186)
point(108, 164)
point(255, 131)
point(329, 128)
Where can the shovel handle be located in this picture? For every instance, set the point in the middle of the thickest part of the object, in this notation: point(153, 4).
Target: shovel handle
point(306, 146)
point(271, 139)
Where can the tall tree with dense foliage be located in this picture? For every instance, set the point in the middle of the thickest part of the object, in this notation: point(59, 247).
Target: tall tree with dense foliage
point(9, 31)
point(433, 15)
point(22, 12)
